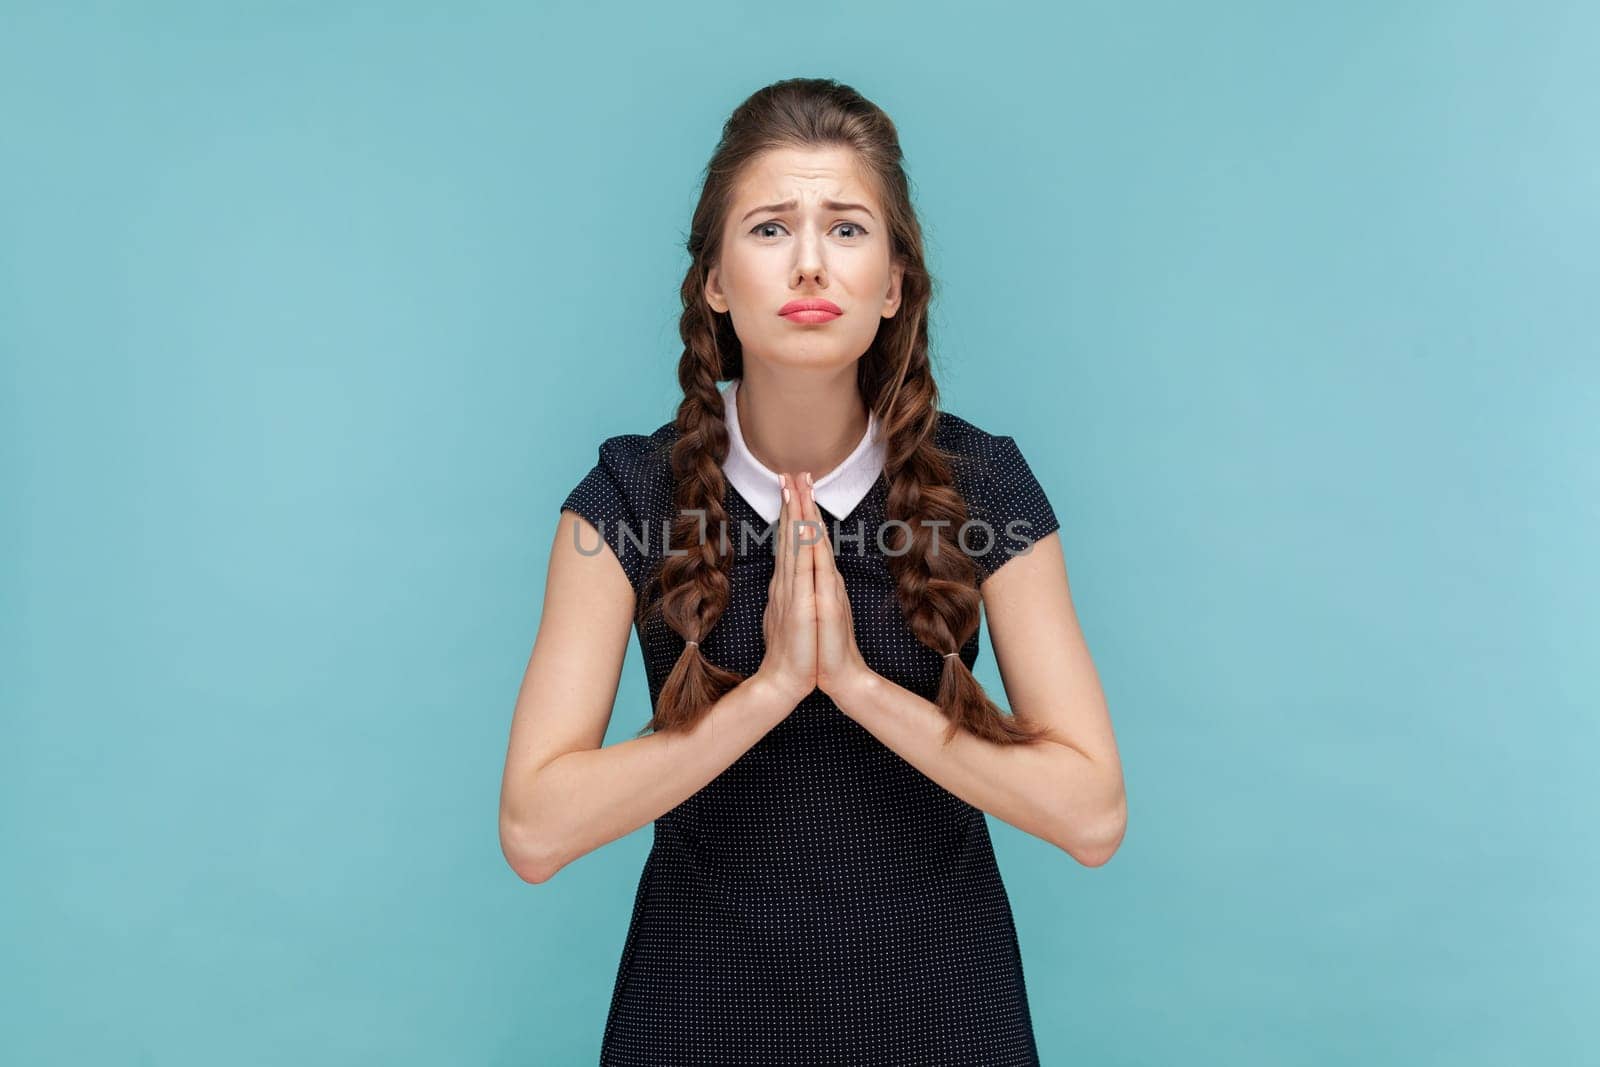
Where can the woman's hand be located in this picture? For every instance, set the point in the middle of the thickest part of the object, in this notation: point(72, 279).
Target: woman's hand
point(839, 662)
point(790, 621)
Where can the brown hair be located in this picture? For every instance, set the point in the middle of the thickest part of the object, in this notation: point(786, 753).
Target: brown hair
point(937, 592)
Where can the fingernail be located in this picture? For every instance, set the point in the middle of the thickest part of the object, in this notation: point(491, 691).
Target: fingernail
point(808, 478)
point(786, 494)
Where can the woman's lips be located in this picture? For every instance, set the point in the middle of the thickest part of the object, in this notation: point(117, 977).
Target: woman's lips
point(811, 316)
point(810, 310)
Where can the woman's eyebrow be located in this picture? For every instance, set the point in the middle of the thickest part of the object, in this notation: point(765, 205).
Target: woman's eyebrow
point(831, 205)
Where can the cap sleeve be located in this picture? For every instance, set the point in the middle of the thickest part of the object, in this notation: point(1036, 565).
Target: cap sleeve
point(1007, 497)
point(610, 497)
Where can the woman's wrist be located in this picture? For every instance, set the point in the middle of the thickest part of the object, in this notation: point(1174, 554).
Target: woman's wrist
point(782, 693)
point(848, 690)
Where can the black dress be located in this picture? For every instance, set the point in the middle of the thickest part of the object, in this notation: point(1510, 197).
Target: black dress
point(821, 901)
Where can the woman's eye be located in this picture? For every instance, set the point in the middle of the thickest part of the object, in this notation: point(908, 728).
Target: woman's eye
point(860, 231)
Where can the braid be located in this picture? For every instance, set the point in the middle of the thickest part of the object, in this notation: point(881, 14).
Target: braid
point(935, 582)
point(695, 586)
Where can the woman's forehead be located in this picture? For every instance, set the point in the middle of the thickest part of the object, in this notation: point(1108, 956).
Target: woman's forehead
point(807, 173)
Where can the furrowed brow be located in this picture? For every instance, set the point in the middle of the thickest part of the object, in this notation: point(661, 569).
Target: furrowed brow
point(789, 205)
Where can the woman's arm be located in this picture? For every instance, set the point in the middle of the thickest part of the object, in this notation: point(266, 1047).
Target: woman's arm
point(1069, 790)
point(562, 794)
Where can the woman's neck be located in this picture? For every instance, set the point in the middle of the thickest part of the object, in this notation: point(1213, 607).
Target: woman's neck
point(805, 421)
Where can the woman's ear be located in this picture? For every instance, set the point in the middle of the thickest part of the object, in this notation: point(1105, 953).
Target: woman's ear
point(714, 295)
point(891, 303)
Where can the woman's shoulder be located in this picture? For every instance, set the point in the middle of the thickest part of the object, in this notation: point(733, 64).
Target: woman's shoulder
point(639, 453)
point(640, 465)
point(974, 451)
point(997, 482)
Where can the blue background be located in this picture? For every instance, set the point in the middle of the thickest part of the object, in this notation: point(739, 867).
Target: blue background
point(311, 314)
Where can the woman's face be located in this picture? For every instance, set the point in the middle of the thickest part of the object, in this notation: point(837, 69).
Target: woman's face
point(805, 225)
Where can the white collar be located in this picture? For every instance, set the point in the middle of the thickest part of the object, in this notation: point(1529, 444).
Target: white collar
point(840, 490)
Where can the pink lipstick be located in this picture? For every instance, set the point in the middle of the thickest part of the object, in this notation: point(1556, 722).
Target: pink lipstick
point(810, 310)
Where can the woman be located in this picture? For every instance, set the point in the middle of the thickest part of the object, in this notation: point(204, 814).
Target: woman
point(822, 887)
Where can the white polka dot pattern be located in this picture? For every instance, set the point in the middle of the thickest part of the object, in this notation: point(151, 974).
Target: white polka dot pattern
point(1007, 499)
point(821, 901)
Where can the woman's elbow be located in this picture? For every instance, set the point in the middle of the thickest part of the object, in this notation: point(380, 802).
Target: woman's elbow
point(525, 853)
point(1096, 846)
